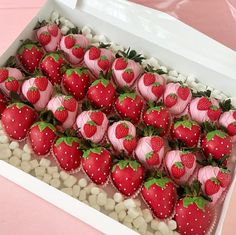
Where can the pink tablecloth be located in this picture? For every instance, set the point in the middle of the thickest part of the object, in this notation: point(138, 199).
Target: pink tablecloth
point(22, 213)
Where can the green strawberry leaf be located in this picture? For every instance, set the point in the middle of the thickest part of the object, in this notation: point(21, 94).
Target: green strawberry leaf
point(55, 56)
point(186, 123)
point(161, 182)
point(157, 108)
point(78, 71)
point(179, 165)
point(96, 150)
point(122, 97)
point(199, 201)
point(123, 163)
point(19, 105)
point(67, 140)
point(86, 153)
point(149, 155)
point(129, 137)
point(44, 125)
point(103, 57)
point(92, 123)
point(61, 108)
point(212, 134)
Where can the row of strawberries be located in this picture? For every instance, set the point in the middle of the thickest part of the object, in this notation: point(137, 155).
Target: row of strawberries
point(179, 119)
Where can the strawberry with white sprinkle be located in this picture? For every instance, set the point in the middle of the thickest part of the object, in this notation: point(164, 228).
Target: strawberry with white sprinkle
point(92, 125)
point(97, 163)
point(49, 36)
point(17, 119)
point(64, 109)
point(177, 98)
point(127, 176)
point(38, 91)
point(68, 153)
point(74, 46)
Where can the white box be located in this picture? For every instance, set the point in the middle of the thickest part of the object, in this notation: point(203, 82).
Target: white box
point(154, 34)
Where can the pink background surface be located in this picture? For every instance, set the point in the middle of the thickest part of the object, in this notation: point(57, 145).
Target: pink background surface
point(23, 213)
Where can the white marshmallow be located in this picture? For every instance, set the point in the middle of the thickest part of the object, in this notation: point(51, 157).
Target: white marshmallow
point(95, 190)
point(118, 197)
point(17, 152)
point(4, 139)
point(82, 195)
point(44, 162)
point(86, 30)
point(128, 219)
point(76, 190)
point(67, 191)
point(163, 228)
point(121, 215)
point(40, 171)
point(173, 73)
point(119, 207)
point(154, 224)
point(15, 161)
point(26, 148)
point(55, 183)
point(56, 175)
point(64, 175)
point(13, 145)
point(164, 69)
point(64, 29)
point(113, 215)
point(92, 200)
point(96, 207)
point(102, 199)
point(172, 224)
point(5, 153)
point(83, 182)
point(47, 178)
point(139, 222)
point(70, 181)
point(127, 224)
point(34, 163)
point(147, 215)
point(52, 169)
point(129, 203)
point(26, 166)
point(133, 213)
point(26, 156)
point(110, 205)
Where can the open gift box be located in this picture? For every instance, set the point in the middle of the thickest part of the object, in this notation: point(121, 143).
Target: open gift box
point(154, 34)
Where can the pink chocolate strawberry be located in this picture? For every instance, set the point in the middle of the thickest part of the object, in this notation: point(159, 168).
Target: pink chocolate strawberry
point(97, 163)
point(17, 119)
point(51, 65)
point(68, 153)
point(49, 36)
point(129, 106)
point(41, 137)
point(160, 195)
point(127, 176)
point(186, 131)
point(76, 82)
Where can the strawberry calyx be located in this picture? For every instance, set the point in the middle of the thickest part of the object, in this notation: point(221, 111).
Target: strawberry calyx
point(161, 182)
point(27, 44)
point(206, 93)
point(214, 133)
point(215, 180)
point(226, 105)
point(185, 123)
point(149, 155)
point(78, 71)
point(124, 163)
point(123, 96)
point(67, 140)
point(150, 69)
point(130, 54)
point(198, 200)
point(43, 125)
point(156, 108)
point(96, 150)
point(151, 131)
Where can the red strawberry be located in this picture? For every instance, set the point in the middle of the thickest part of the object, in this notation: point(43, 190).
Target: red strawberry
point(129, 106)
point(70, 103)
point(152, 158)
point(96, 163)
point(97, 117)
point(68, 153)
point(12, 84)
point(41, 137)
point(102, 94)
point(44, 38)
point(122, 130)
point(188, 159)
point(3, 104)
point(193, 215)
point(212, 186)
point(148, 79)
point(17, 119)
point(33, 95)
point(41, 83)
point(127, 176)
point(217, 144)
point(187, 131)
point(178, 170)
point(61, 114)
point(234, 115)
point(160, 195)
point(29, 56)
point(51, 66)
point(130, 143)
point(78, 51)
point(103, 63)
point(53, 29)
point(128, 75)
point(90, 129)
point(76, 82)
point(3, 74)
point(158, 117)
point(120, 64)
point(183, 92)
point(157, 143)
point(214, 113)
point(94, 53)
point(231, 129)
point(69, 41)
point(171, 100)
point(204, 104)
point(224, 178)
point(158, 89)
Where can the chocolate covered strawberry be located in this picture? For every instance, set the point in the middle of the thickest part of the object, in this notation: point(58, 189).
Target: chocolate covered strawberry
point(150, 151)
point(193, 215)
point(3, 103)
point(64, 109)
point(180, 165)
point(49, 36)
point(29, 56)
point(122, 136)
point(177, 98)
point(97, 163)
point(186, 131)
point(92, 125)
point(160, 195)
point(126, 69)
point(217, 145)
point(204, 109)
point(102, 93)
point(158, 117)
point(74, 46)
point(129, 106)
point(127, 176)
point(68, 153)
point(76, 82)
point(10, 80)
point(38, 91)
point(17, 119)
point(41, 137)
point(98, 60)
point(51, 65)
point(214, 181)
point(228, 121)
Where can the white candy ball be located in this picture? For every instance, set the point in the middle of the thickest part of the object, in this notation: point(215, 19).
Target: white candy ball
point(26, 156)
point(55, 183)
point(52, 169)
point(76, 190)
point(121, 215)
point(133, 213)
point(13, 145)
point(67, 191)
point(40, 171)
point(172, 224)
point(82, 195)
point(83, 182)
point(15, 161)
point(5, 153)
point(34, 163)
point(118, 197)
point(119, 207)
point(102, 199)
point(95, 190)
point(129, 203)
point(44, 162)
point(64, 175)
point(92, 200)
point(26, 148)
point(26, 166)
point(70, 181)
point(113, 215)
point(154, 224)
point(110, 205)
point(47, 178)
point(4, 139)
point(163, 228)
